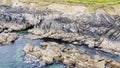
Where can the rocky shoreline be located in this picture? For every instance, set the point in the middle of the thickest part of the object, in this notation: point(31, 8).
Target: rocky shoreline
point(70, 56)
point(98, 30)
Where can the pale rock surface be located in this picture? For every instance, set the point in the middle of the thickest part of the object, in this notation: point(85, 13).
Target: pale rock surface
point(8, 38)
point(70, 56)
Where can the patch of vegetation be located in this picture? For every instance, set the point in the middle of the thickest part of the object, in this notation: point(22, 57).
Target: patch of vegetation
point(74, 1)
point(93, 1)
point(22, 32)
point(90, 3)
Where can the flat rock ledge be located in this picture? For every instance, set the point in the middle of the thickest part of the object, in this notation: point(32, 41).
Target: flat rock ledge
point(8, 38)
point(70, 56)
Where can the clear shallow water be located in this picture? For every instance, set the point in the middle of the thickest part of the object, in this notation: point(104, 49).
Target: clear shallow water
point(11, 56)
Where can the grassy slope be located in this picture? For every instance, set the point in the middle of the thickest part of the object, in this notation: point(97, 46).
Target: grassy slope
point(93, 1)
point(75, 1)
point(90, 3)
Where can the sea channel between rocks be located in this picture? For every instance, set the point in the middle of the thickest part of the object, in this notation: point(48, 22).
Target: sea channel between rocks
point(55, 38)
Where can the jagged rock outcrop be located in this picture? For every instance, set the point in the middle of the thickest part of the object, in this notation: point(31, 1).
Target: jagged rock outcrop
point(70, 56)
point(18, 18)
point(8, 27)
point(95, 28)
point(103, 43)
point(65, 36)
point(8, 38)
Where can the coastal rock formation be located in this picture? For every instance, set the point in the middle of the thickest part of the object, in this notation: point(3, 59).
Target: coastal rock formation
point(8, 27)
point(89, 29)
point(65, 36)
point(17, 18)
point(71, 56)
point(73, 25)
point(79, 27)
point(8, 38)
point(103, 43)
point(110, 46)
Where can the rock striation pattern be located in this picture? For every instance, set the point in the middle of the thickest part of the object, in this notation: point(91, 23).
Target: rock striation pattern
point(17, 18)
point(74, 38)
point(98, 29)
point(71, 56)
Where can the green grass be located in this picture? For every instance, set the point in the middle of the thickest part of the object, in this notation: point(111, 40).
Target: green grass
point(94, 1)
point(89, 3)
point(76, 1)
